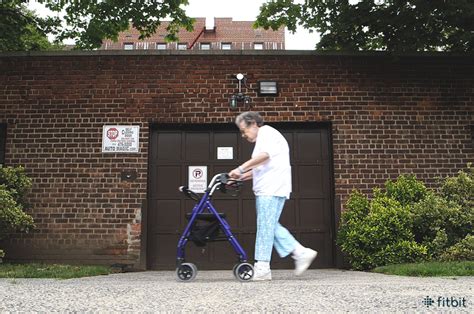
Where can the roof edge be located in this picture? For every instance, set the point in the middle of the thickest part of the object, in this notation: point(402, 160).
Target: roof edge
point(229, 53)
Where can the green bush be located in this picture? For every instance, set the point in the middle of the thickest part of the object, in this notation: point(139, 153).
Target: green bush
point(406, 189)
point(461, 251)
point(12, 216)
point(460, 188)
point(16, 182)
point(409, 222)
point(377, 232)
point(14, 185)
point(439, 223)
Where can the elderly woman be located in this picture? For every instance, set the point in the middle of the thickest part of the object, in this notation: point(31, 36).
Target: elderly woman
point(270, 170)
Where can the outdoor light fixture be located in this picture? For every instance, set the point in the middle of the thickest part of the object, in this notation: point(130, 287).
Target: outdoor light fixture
point(267, 88)
point(239, 97)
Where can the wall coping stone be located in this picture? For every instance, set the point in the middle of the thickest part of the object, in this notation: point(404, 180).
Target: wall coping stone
point(62, 53)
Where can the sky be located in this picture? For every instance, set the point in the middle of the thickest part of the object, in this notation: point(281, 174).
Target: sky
point(238, 10)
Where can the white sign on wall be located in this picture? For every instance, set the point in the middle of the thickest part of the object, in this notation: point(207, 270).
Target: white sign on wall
point(197, 178)
point(225, 152)
point(120, 138)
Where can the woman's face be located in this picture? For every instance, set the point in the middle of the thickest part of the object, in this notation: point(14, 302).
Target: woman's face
point(249, 132)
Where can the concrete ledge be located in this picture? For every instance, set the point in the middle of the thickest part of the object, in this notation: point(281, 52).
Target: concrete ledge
point(229, 53)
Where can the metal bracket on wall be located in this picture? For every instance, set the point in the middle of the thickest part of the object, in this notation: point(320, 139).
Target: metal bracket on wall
point(128, 175)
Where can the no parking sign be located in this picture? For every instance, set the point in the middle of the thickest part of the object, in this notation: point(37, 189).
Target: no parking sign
point(197, 178)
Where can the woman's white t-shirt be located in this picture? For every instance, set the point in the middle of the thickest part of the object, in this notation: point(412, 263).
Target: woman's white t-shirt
point(272, 178)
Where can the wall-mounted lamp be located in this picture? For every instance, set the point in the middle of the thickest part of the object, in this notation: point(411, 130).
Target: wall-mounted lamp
point(239, 97)
point(234, 99)
point(267, 88)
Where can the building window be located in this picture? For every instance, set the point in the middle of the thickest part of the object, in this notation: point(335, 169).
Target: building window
point(128, 46)
point(258, 46)
point(182, 46)
point(161, 46)
point(141, 45)
point(3, 142)
point(205, 46)
point(226, 46)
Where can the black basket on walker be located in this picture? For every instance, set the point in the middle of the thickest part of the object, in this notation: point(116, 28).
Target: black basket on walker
point(206, 231)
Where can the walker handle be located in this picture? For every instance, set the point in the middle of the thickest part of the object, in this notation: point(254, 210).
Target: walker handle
point(190, 194)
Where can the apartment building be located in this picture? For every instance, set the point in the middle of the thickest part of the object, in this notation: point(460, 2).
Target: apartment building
point(208, 34)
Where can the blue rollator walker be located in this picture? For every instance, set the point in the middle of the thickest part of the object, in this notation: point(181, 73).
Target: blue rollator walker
point(205, 225)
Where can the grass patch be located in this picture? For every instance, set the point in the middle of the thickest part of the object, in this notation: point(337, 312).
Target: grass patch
point(429, 269)
point(35, 270)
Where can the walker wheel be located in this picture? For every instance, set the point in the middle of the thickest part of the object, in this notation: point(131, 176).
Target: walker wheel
point(243, 272)
point(233, 268)
point(186, 272)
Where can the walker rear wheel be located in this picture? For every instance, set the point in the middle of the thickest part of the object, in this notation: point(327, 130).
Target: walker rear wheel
point(243, 272)
point(186, 272)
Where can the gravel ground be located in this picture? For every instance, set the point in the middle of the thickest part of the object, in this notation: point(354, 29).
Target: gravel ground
point(217, 291)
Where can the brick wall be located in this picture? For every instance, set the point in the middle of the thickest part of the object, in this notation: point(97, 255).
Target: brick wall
point(389, 115)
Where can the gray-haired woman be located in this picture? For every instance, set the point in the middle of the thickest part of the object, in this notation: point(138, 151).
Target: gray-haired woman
point(269, 169)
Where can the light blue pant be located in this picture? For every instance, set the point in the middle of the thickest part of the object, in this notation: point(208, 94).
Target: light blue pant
point(269, 231)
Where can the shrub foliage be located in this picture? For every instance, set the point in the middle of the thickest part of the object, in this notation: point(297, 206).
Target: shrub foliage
point(14, 184)
point(407, 222)
point(377, 232)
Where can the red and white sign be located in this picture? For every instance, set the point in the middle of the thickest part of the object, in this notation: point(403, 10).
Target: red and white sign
point(112, 133)
point(120, 138)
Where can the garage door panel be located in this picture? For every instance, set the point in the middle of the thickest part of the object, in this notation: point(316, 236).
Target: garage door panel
point(288, 215)
point(247, 241)
point(320, 243)
point(282, 263)
point(196, 254)
point(162, 254)
point(246, 149)
point(166, 148)
point(230, 209)
point(188, 208)
point(166, 181)
point(246, 189)
point(310, 181)
point(249, 216)
point(223, 252)
point(289, 138)
point(224, 168)
point(197, 146)
point(309, 147)
point(166, 215)
point(312, 214)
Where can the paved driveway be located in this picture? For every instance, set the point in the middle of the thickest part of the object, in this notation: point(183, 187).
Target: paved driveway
point(218, 291)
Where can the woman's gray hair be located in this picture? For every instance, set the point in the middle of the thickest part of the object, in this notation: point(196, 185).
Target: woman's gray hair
point(249, 117)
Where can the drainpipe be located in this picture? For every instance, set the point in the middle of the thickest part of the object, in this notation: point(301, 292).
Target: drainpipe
point(209, 27)
point(196, 39)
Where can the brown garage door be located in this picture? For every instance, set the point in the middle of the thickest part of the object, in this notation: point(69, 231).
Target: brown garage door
point(308, 214)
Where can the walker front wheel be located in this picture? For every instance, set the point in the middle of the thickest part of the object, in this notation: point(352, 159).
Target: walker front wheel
point(243, 272)
point(186, 272)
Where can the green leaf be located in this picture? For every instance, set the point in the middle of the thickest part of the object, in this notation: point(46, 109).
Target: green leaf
point(399, 26)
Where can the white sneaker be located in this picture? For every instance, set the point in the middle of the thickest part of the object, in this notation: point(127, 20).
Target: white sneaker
point(304, 260)
point(261, 273)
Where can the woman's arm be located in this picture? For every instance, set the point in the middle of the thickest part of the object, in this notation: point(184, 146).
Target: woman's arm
point(243, 171)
